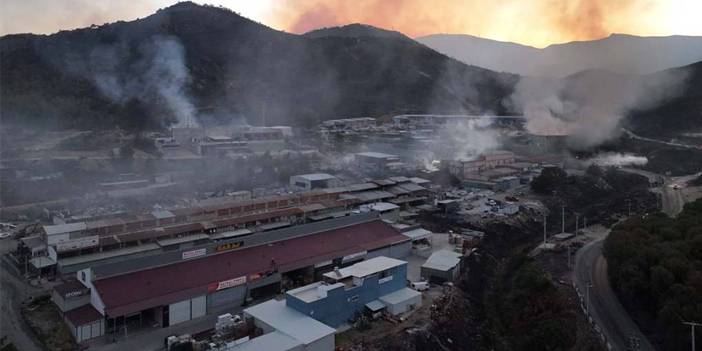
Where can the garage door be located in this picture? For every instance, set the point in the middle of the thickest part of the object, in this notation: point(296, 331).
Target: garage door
point(179, 312)
point(198, 306)
point(228, 297)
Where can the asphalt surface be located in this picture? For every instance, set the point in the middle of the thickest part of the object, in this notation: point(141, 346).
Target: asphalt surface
point(604, 306)
point(13, 291)
point(672, 200)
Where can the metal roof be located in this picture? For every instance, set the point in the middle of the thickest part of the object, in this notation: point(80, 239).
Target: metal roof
point(366, 268)
point(442, 260)
point(274, 341)
point(183, 239)
point(136, 291)
point(375, 305)
point(315, 176)
point(64, 228)
point(416, 234)
point(376, 155)
point(383, 206)
point(399, 296)
point(289, 321)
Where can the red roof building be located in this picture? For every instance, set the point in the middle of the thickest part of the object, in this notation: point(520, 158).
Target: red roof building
point(137, 291)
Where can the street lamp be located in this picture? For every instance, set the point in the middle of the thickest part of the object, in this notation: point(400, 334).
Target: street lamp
point(587, 304)
point(692, 331)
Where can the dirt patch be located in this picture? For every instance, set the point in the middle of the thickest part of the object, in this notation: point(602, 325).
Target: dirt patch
point(44, 319)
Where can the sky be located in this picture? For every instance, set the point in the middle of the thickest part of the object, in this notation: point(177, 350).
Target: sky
point(531, 22)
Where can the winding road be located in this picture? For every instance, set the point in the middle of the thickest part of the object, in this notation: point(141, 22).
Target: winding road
point(604, 306)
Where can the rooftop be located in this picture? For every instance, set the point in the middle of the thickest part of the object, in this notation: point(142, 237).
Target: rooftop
point(316, 176)
point(289, 321)
point(366, 268)
point(271, 342)
point(135, 291)
point(375, 155)
point(64, 228)
point(399, 296)
point(83, 315)
point(442, 260)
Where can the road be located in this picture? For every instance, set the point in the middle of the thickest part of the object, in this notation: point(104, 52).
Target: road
point(638, 137)
point(13, 291)
point(604, 306)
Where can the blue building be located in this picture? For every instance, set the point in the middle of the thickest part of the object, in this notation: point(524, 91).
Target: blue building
point(374, 285)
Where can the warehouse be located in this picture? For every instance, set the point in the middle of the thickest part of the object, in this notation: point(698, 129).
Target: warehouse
point(189, 289)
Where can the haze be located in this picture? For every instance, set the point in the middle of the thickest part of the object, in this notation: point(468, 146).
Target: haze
point(536, 23)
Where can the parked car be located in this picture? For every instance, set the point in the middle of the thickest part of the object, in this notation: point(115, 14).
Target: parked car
point(419, 286)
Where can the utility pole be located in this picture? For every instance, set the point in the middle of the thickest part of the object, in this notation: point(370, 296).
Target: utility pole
point(544, 227)
point(692, 331)
point(587, 304)
point(562, 218)
point(577, 218)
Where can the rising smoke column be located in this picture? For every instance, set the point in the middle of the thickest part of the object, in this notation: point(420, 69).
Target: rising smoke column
point(589, 106)
point(154, 70)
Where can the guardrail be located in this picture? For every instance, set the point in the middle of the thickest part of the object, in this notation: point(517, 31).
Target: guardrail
point(591, 321)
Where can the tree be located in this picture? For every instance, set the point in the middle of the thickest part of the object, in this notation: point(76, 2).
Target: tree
point(549, 180)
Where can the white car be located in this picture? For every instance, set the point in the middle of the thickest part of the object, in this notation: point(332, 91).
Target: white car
point(5, 235)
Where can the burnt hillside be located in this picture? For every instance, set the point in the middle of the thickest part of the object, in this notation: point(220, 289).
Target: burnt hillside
point(234, 68)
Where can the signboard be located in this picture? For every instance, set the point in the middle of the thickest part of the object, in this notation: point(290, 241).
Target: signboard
point(353, 256)
point(77, 244)
point(229, 246)
point(226, 284)
point(75, 293)
point(194, 253)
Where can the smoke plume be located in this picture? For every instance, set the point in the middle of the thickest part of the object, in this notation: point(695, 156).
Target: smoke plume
point(154, 72)
point(618, 159)
point(589, 106)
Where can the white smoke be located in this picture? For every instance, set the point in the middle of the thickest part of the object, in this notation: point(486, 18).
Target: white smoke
point(589, 106)
point(462, 140)
point(156, 70)
point(617, 159)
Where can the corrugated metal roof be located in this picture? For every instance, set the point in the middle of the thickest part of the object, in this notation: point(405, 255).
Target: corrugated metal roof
point(64, 228)
point(399, 296)
point(83, 315)
point(289, 321)
point(442, 260)
point(135, 291)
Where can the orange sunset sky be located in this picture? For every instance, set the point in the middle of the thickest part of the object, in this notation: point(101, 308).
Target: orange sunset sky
point(531, 22)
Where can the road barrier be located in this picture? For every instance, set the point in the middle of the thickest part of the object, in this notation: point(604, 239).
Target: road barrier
point(595, 327)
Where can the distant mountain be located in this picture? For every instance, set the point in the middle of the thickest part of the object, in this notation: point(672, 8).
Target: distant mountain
point(620, 53)
point(354, 30)
point(209, 63)
point(681, 113)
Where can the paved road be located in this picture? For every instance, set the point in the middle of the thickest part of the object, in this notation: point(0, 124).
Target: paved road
point(604, 306)
point(672, 199)
point(12, 292)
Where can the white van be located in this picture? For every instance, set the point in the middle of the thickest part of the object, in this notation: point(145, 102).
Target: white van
point(419, 286)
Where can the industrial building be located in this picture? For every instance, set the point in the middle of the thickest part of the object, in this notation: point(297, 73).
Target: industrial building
point(308, 182)
point(286, 329)
point(69, 247)
point(184, 285)
point(376, 163)
point(358, 123)
point(347, 291)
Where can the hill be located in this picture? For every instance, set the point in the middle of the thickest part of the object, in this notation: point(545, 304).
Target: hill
point(620, 53)
point(191, 62)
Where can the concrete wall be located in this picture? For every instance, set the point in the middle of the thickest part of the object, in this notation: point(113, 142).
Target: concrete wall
point(341, 304)
point(324, 344)
point(67, 304)
point(398, 251)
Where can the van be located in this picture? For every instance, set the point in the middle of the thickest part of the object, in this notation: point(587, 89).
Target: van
point(419, 286)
